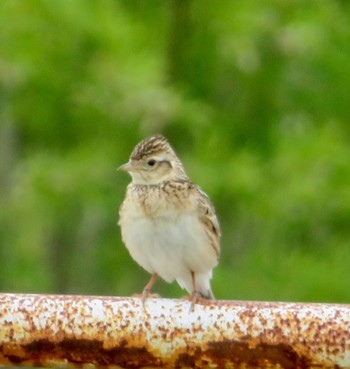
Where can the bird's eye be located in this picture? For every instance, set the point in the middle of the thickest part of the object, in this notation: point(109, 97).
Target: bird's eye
point(151, 162)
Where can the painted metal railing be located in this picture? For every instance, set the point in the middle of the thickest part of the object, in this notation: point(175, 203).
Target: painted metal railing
point(69, 331)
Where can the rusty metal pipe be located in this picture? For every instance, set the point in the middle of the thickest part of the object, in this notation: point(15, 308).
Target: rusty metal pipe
point(69, 331)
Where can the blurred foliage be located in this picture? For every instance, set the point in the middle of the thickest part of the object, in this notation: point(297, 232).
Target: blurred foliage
point(253, 95)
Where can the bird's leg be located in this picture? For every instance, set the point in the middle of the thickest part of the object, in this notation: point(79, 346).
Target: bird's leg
point(147, 290)
point(195, 294)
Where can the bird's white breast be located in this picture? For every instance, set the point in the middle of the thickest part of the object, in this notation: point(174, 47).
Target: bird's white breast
point(168, 241)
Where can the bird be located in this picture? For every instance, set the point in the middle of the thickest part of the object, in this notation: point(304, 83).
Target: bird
point(168, 223)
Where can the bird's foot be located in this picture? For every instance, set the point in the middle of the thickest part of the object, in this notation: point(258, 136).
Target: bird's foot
point(195, 297)
point(146, 294)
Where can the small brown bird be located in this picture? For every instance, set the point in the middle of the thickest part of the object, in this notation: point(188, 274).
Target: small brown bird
point(168, 224)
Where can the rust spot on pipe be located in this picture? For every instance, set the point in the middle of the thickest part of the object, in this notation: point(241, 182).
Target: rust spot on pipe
point(261, 356)
point(84, 351)
point(187, 360)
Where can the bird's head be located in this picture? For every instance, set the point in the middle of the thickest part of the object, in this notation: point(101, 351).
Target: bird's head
point(153, 161)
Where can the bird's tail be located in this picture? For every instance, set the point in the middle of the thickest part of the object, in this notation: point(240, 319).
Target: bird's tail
point(208, 294)
point(202, 284)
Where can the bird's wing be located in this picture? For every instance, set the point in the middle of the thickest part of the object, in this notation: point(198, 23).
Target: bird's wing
point(186, 190)
point(208, 217)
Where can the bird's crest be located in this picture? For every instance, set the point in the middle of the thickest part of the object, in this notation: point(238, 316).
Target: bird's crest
point(150, 146)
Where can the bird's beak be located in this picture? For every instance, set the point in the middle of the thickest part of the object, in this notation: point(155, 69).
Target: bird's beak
point(129, 167)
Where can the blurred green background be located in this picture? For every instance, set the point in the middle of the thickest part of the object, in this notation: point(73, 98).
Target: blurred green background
point(254, 97)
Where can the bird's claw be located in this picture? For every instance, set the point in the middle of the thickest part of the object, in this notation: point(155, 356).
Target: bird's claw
point(146, 294)
point(194, 298)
